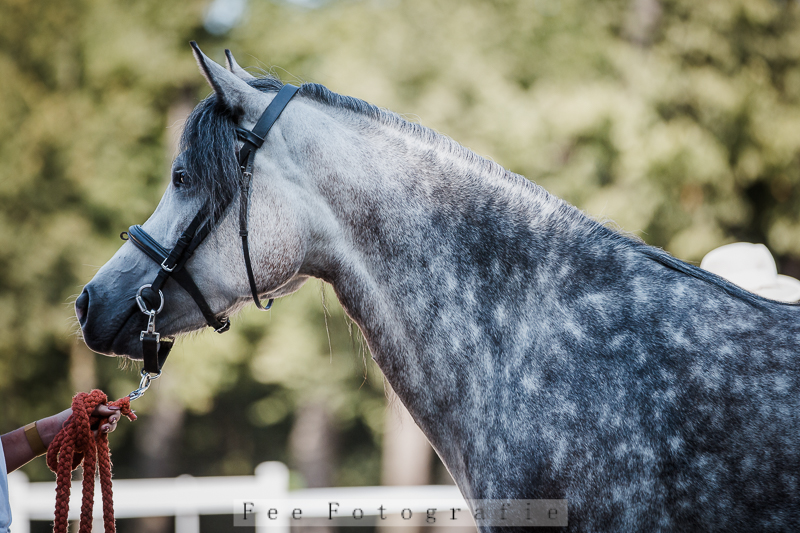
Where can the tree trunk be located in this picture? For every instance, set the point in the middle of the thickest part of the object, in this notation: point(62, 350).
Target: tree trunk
point(642, 21)
point(312, 446)
point(407, 457)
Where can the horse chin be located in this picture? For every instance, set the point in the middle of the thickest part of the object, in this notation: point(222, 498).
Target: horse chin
point(118, 347)
point(124, 344)
point(135, 351)
point(127, 344)
point(101, 338)
point(130, 348)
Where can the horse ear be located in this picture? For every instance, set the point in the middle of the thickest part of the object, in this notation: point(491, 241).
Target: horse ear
point(231, 91)
point(234, 67)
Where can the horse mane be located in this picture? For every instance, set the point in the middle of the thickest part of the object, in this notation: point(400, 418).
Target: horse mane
point(653, 253)
point(209, 146)
point(209, 140)
point(661, 256)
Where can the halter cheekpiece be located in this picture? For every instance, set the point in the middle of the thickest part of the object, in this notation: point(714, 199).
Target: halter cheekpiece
point(149, 297)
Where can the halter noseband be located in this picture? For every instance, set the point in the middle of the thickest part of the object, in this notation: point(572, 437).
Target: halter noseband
point(149, 298)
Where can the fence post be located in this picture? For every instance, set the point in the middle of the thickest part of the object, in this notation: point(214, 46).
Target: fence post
point(18, 485)
point(272, 480)
point(186, 520)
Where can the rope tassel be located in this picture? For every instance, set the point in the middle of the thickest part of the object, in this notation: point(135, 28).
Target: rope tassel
point(76, 443)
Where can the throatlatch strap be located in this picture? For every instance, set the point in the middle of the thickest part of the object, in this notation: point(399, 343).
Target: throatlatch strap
point(252, 142)
point(244, 209)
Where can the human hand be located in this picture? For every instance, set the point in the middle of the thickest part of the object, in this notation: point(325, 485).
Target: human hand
point(108, 416)
point(17, 450)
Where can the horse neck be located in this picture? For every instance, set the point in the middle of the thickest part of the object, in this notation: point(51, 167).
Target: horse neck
point(427, 236)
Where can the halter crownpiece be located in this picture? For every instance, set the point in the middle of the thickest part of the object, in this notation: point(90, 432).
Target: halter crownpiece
point(149, 298)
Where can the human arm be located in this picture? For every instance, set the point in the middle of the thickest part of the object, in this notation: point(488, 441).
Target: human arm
point(17, 449)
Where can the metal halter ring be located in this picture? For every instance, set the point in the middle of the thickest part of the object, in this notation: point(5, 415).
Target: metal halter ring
point(143, 306)
point(144, 384)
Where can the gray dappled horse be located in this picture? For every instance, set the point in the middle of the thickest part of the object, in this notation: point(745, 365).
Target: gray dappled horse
point(543, 354)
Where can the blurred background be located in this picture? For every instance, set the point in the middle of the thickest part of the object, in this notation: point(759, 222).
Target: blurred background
point(677, 120)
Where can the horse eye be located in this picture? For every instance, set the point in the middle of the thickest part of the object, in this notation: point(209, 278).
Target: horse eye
point(179, 177)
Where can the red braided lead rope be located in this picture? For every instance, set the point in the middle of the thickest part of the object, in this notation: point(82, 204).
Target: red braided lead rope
point(76, 443)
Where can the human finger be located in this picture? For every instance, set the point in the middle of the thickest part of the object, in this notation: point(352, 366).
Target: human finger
point(104, 411)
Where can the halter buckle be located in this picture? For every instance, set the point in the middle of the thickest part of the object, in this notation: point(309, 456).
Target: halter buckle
point(226, 325)
point(168, 269)
point(143, 306)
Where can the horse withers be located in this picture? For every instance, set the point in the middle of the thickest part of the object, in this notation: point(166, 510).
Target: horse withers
point(544, 355)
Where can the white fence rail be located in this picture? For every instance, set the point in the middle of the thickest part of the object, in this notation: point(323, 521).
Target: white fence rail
point(187, 497)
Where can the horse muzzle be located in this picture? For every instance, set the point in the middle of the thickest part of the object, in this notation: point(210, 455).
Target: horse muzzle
point(109, 328)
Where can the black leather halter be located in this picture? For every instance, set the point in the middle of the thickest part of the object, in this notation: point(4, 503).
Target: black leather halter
point(150, 299)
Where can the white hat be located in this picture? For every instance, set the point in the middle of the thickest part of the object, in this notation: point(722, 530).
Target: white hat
point(751, 267)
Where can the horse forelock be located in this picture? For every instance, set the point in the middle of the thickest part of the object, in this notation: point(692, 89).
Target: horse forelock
point(208, 148)
point(209, 145)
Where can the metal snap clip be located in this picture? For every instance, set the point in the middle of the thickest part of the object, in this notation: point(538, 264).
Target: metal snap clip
point(143, 306)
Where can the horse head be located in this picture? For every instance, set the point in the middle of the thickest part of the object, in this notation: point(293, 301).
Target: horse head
point(205, 191)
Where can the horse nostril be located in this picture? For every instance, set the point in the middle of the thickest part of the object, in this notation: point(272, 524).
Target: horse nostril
point(82, 307)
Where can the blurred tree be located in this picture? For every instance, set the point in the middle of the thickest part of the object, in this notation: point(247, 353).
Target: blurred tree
point(81, 122)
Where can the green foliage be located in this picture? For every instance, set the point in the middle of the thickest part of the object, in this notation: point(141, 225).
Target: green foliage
point(678, 120)
point(82, 115)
